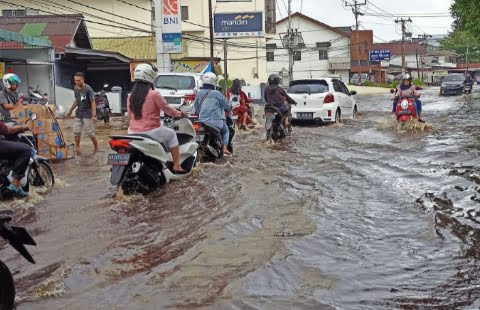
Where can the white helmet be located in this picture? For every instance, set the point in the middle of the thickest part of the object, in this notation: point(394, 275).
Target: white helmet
point(145, 72)
point(406, 76)
point(210, 78)
point(10, 78)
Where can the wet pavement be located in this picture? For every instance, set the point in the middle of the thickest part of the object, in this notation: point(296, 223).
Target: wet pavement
point(355, 216)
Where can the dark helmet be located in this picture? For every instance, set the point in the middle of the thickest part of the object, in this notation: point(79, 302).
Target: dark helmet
point(273, 79)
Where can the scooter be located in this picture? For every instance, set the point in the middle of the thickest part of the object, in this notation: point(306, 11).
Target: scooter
point(103, 106)
point(405, 109)
point(18, 237)
point(274, 120)
point(39, 171)
point(142, 164)
point(467, 89)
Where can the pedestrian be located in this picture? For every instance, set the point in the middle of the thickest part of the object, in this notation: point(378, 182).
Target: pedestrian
point(9, 97)
point(86, 114)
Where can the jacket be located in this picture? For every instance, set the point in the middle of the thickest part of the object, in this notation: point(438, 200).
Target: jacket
point(276, 95)
point(210, 106)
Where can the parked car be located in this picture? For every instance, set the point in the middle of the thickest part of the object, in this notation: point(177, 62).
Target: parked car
point(355, 79)
point(452, 84)
point(322, 99)
point(179, 89)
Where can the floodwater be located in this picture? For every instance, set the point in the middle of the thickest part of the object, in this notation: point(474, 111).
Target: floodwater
point(355, 216)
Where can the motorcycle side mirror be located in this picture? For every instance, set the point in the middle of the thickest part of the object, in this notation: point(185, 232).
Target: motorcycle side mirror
point(392, 91)
point(353, 92)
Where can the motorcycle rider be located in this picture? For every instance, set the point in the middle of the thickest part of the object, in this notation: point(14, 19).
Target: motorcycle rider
point(407, 89)
point(9, 97)
point(210, 106)
point(144, 106)
point(18, 152)
point(278, 97)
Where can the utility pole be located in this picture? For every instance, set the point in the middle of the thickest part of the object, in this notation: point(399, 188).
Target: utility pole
point(290, 37)
point(210, 23)
point(356, 11)
point(404, 30)
point(466, 57)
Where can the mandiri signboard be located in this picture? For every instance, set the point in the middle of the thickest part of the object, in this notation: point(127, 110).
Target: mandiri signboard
point(171, 24)
point(379, 55)
point(238, 25)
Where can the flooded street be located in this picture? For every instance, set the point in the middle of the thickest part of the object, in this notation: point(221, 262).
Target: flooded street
point(355, 216)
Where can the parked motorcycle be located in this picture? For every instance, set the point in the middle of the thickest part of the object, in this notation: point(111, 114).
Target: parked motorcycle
point(39, 172)
point(274, 120)
point(142, 164)
point(103, 106)
point(18, 237)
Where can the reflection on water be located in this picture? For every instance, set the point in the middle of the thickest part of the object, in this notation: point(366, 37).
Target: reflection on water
point(333, 217)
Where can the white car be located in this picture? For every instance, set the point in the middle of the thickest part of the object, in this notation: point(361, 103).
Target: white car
point(323, 99)
point(179, 88)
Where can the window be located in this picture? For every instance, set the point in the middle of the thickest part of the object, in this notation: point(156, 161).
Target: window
point(337, 86)
point(184, 11)
point(270, 56)
point(323, 54)
point(345, 89)
point(175, 81)
point(308, 87)
point(11, 13)
point(297, 55)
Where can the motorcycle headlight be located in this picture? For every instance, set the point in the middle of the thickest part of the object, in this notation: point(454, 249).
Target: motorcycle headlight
point(404, 104)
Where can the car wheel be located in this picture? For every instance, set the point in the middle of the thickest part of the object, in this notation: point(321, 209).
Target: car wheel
point(338, 115)
point(355, 111)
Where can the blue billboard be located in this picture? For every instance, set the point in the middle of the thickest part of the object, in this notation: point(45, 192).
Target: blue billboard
point(238, 25)
point(380, 55)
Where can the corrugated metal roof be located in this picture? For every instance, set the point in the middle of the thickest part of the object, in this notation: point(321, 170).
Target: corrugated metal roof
point(61, 30)
point(15, 40)
point(132, 47)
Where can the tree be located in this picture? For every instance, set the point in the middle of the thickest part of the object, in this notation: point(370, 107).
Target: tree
point(466, 28)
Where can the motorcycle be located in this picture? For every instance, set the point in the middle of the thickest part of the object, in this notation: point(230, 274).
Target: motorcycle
point(18, 237)
point(210, 138)
point(274, 120)
point(39, 172)
point(142, 164)
point(103, 106)
point(467, 89)
point(35, 97)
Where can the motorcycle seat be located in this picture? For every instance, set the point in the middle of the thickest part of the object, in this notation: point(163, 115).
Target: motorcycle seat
point(210, 127)
point(142, 135)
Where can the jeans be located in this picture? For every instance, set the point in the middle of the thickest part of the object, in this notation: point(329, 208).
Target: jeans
point(225, 132)
point(19, 153)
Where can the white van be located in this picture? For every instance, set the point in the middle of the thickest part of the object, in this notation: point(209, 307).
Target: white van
point(179, 89)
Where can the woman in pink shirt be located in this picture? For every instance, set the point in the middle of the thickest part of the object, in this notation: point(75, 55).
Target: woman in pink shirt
point(144, 106)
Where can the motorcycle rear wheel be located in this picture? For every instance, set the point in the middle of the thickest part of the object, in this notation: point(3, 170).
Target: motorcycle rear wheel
point(45, 174)
point(7, 288)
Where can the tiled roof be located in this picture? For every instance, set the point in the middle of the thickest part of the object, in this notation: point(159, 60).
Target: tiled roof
point(133, 47)
point(411, 48)
point(61, 30)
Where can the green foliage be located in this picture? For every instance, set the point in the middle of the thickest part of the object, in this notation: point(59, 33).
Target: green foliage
point(221, 84)
point(418, 82)
point(466, 29)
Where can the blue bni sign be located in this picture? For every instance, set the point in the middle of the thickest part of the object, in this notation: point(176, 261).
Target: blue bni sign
point(238, 25)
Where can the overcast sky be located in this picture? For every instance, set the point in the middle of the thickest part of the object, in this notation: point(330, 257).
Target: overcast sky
point(332, 12)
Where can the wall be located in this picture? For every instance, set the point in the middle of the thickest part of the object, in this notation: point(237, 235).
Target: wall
point(311, 66)
point(241, 52)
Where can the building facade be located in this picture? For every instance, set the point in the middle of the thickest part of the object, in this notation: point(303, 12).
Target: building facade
point(325, 50)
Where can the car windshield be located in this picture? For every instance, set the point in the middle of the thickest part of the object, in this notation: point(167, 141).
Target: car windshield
point(454, 77)
point(356, 75)
point(175, 82)
point(308, 87)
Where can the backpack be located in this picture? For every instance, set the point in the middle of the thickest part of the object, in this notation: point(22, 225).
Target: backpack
point(234, 100)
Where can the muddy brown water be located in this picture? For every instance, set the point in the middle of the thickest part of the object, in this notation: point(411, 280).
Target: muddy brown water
point(356, 216)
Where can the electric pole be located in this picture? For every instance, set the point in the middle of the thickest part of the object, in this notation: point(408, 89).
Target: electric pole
point(210, 24)
point(404, 30)
point(290, 37)
point(356, 11)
